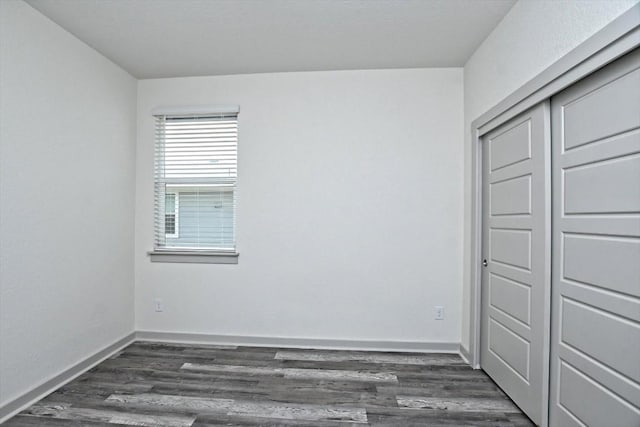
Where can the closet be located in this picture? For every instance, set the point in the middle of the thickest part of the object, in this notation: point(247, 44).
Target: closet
point(560, 293)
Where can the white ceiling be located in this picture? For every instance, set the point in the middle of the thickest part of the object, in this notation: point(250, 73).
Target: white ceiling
point(174, 38)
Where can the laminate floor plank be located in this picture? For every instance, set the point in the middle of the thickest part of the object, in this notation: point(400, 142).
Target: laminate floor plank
point(282, 395)
point(458, 404)
point(308, 373)
point(240, 420)
point(432, 418)
point(45, 406)
point(29, 420)
point(245, 408)
point(75, 413)
point(398, 368)
point(171, 385)
point(365, 357)
point(86, 383)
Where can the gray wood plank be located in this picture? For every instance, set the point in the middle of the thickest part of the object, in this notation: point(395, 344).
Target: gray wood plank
point(457, 404)
point(364, 357)
point(439, 389)
point(30, 420)
point(435, 418)
point(345, 375)
point(69, 412)
point(245, 408)
point(209, 420)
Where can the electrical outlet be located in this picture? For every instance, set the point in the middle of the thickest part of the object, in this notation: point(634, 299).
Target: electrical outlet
point(159, 306)
point(439, 312)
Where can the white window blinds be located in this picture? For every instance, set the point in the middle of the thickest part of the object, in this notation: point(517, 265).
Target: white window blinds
point(195, 178)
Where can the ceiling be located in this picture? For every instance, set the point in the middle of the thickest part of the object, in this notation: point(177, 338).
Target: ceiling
point(176, 38)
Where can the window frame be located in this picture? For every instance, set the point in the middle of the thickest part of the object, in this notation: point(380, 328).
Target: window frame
point(161, 252)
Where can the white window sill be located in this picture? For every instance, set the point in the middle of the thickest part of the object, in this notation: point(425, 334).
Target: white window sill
point(194, 257)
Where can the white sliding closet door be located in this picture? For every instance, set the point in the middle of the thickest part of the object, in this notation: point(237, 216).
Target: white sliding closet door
point(516, 251)
point(595, 358)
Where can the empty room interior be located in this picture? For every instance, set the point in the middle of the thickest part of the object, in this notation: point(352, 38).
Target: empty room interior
point(320, 213)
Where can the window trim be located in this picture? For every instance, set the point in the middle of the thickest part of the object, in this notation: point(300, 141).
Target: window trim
point(194, 255)
point(176, 215)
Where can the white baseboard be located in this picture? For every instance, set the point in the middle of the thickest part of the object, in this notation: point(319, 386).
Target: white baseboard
point(315, 343)
point(464, 353)
point(16, 405)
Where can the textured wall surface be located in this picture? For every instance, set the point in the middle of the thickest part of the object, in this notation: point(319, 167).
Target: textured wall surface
point(67, 157)
point(349, 208)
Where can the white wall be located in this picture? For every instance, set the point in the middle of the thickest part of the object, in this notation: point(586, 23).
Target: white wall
point(349, 208)
point(531, 37)
point(67, 158)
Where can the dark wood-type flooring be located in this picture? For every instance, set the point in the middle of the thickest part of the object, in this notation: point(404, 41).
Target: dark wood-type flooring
point(155, 384)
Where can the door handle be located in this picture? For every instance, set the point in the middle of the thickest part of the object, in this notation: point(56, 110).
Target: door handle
point(484, 263)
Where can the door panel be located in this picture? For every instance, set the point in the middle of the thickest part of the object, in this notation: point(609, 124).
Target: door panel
point(512, 146)
point(620, 271)
point(611, 332)
point(512, 297)
point(606, 186)
point(595, 348)
point(511, 247)
point(511, 196)
point(589, 117)
point(590, 402)
point(510, 347)
point(516, 245)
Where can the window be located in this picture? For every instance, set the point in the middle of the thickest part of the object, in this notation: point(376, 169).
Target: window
point(171, 209)
point(195, 181)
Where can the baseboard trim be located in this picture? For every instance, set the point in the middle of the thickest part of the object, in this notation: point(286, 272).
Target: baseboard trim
point(22, 402)
point(464, 353)
point(286, 342)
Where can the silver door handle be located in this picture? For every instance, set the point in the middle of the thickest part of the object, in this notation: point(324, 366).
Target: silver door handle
point(484, 262)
